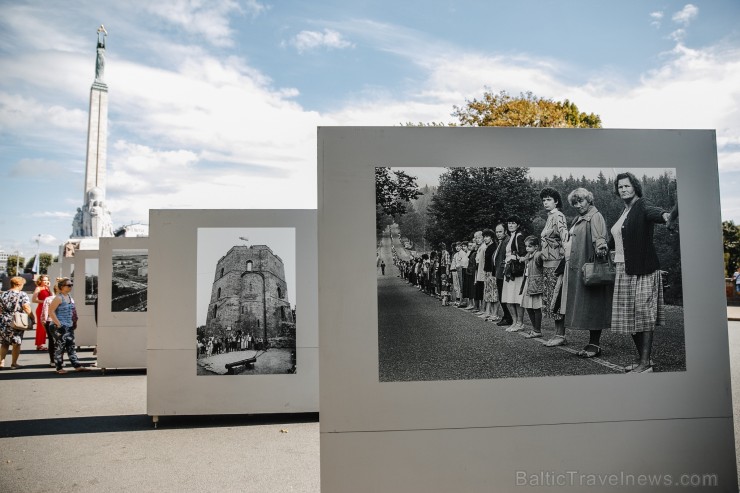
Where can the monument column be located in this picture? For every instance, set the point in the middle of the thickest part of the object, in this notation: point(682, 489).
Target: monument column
point(93, 218)
point(97, 126)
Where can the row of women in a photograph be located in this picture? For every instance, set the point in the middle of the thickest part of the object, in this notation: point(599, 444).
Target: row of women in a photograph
point(503, 271)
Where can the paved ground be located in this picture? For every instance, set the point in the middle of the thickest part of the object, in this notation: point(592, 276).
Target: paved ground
point(85, 432)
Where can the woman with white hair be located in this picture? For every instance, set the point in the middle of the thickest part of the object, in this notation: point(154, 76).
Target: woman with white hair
point(585, 307)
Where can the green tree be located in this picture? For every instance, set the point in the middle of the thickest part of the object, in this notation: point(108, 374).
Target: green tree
point(526, 110)
point(731, 243)
point(45, 260)
point(10, 265)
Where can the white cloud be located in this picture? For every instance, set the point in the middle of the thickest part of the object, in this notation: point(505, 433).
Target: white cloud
point(678, 35)
point(46, 239)
point(656, 17)
point(206, 18)
point(686, 14)
point(19, 113)
point(255, 8)
point(310, 40)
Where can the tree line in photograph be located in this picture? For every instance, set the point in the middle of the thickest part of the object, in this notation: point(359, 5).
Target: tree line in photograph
point(470, 199)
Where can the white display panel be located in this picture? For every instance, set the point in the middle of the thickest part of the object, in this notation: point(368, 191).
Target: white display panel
point(86, 286)
point(354, 401)
point(174, 385)
point(122, 302)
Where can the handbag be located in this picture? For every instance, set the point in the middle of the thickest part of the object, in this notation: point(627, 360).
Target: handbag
point(599, 272)
point(517, 268)
point(20, 320)
point(74, 316)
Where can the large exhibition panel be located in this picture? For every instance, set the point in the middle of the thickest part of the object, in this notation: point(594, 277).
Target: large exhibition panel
point(122, 302)
point(404, 408)
point(232, 312)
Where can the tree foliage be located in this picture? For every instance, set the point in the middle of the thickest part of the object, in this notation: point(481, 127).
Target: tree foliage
point(526, 110)
point(731, 244)
point(45, 260)
point(10, 265)
point(393, 191)
point(470, 199)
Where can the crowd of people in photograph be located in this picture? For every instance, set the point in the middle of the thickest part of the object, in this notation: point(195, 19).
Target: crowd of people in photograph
point(585, 276)
point(216, 344)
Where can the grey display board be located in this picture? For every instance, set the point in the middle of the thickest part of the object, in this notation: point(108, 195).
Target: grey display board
point(86, 285)
point(178, 379)
point(122, 302)
point(562, 431)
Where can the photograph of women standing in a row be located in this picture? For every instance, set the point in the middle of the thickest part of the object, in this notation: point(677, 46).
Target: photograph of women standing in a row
point(549, 272)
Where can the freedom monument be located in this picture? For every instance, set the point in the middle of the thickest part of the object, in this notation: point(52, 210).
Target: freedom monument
point(93, 219)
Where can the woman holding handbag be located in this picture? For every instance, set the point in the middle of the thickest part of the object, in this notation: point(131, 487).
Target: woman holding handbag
point(13, 301)
point(585, 307)
point(514, 274)
point(638, 288)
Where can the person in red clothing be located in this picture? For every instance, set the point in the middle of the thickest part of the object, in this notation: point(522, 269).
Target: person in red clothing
point(41, 292)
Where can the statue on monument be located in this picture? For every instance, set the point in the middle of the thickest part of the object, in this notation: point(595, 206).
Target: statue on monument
point(94, 217)
point(100, 60)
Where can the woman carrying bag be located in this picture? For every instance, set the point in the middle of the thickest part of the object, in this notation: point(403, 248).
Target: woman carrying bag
point(13, 304)
point(585, 307)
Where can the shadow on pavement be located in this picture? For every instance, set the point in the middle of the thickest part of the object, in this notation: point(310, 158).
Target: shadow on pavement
point(142, 422)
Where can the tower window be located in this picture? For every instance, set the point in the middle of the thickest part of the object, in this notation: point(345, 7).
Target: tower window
point(280, 293)
point(218, 294)
point(222, 272)
point(249, 266)
point(215, 311)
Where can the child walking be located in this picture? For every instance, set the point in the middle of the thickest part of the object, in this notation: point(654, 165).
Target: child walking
point(533, 286)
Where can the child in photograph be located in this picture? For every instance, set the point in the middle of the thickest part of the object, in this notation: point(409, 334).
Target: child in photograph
point(445, 291)
point(533, 285)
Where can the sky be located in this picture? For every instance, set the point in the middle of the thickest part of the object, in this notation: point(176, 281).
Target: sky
point(214, 104)
point(214, 243)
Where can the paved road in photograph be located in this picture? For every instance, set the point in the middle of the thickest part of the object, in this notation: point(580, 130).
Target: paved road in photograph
point(419, 339)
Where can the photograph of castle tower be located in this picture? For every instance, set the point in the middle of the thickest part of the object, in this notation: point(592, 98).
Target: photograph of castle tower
point(246, 320)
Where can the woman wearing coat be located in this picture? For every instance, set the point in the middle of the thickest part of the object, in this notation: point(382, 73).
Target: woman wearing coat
point(638, 288)
point(585, 307)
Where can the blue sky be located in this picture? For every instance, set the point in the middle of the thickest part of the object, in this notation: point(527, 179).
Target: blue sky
point(214, 104)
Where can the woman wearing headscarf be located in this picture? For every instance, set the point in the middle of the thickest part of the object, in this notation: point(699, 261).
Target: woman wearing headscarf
point(638, 288)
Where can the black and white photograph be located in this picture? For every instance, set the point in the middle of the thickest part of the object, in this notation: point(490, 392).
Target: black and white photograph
point(91, 281)
point(508, 272)
point(129, 284)
point(246, 305)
